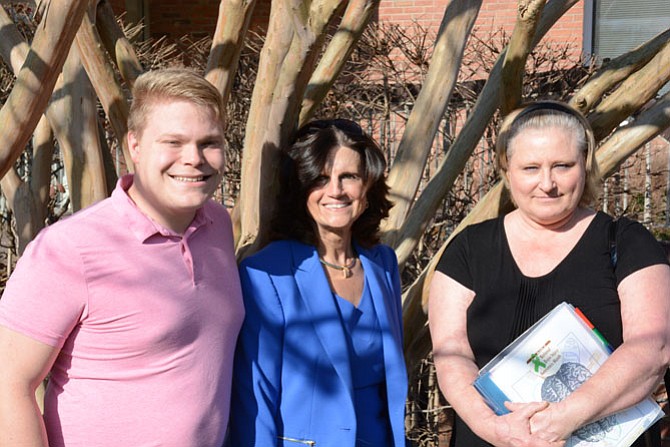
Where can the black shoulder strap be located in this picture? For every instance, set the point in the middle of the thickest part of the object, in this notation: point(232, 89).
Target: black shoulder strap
point(612, 241)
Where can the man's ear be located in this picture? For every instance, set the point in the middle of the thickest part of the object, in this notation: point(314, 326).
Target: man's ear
point(133, 146)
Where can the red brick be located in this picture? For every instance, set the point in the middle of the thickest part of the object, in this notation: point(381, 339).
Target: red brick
point(174, 16)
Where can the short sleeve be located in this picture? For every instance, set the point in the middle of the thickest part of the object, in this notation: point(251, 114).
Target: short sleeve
point(636, 249)
point(455, 260)
point(46, 294)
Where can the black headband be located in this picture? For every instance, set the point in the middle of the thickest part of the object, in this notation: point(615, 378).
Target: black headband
point(343, 125)
point(548, 105)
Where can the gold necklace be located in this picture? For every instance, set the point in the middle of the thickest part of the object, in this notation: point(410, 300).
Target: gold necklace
point(345, 269)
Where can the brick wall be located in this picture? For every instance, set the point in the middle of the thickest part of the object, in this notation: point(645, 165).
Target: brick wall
point(494, 14)
point(175, 18)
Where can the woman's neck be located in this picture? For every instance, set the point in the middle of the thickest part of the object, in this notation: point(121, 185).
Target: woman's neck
point(562, 226)
point(336, 248)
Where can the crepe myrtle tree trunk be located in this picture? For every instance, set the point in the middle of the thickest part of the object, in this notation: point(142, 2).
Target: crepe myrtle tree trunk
point(232, 26)
point(14, 50)
point(112, 97)
point(632, 93)
point(518, 49)
point(355, 19)
point(428, 111)
point(615, 71)
point(27, 199)
point(36, 79)
point(37, 68)
point(116, 43)
point(83, 161)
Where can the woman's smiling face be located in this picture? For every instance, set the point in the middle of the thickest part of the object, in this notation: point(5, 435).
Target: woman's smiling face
point(339, 196)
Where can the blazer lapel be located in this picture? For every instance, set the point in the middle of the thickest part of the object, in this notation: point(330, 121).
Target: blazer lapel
point(319, 301)
point(382, 292)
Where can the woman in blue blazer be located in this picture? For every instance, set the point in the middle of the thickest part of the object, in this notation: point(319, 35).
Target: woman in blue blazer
point(319, 359)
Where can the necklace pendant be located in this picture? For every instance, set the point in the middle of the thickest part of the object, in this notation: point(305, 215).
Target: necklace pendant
point(345, 269)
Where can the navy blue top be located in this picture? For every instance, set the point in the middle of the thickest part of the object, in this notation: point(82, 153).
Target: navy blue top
point(364, 337)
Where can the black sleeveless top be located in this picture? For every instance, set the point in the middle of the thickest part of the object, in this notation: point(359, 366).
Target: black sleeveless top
point(507, 302)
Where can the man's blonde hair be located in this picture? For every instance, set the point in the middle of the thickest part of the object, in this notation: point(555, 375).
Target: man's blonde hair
point(157, 86)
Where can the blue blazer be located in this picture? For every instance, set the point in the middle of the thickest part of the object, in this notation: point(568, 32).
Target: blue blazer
point(292, 381)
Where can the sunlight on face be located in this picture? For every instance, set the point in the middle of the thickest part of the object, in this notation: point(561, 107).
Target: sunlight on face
point(546, 174)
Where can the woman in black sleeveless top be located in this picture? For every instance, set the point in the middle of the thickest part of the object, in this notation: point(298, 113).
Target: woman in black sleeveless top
point(499, 277)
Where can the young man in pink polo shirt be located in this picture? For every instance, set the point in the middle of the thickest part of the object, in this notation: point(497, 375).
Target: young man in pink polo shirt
point(132, 305)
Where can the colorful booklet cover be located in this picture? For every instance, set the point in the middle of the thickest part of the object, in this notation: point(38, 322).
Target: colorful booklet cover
point(551, 360)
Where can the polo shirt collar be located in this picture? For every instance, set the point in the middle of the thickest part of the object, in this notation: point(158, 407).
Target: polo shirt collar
point(140, 224)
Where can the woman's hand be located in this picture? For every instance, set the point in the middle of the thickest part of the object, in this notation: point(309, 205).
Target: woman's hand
point(547, 425)
point(516, 428)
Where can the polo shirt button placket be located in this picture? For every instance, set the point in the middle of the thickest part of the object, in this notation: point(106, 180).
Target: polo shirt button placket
point(188, 259)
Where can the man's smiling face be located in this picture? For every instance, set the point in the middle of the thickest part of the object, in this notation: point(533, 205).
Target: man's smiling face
point(178, 158)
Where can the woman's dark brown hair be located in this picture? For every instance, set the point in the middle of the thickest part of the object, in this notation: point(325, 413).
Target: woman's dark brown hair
point(304, 162)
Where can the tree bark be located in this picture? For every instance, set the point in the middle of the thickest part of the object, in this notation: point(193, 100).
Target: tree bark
point(354, 21)
point(275, 49)
point(101, 75)
point(116, 43)
point(37, 77)
point(468, 138)
point(13, 48)
point(59, 114)
point(628, 139)
point(28, 199)
point(428, 111)
point(40, 178)
point(633, 93)
point(231, 29)
point(518, 49)
point(615, 71)
point(82, 160)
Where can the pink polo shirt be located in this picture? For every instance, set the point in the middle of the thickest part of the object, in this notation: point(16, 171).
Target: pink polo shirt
point(146, 320)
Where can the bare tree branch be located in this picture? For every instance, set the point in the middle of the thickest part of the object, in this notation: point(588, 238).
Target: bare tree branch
point(634, 92)
point(428, 110)
point(13, 48)
point(83, 160)
point(37, 77)
point(628, 139)
point(615, 71)
point(101, 74)
point(354, 21)
point(520, 45)
point(116, 43)
point(231, 29)
point(28, 200)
